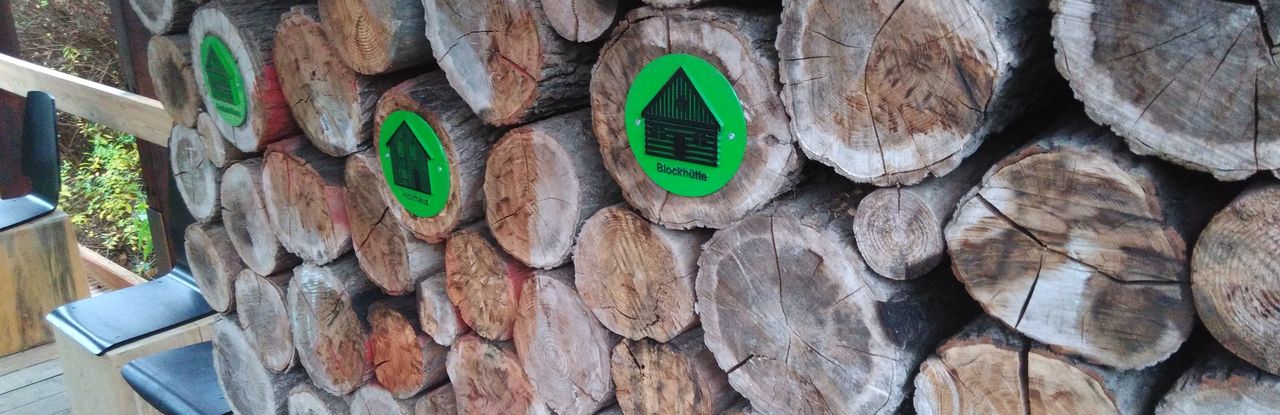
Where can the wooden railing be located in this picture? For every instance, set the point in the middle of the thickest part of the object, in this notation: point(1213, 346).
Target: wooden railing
point(121, 110)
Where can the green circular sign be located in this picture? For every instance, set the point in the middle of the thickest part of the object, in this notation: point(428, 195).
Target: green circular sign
point(414, 163)
point(222, 80)
point(685, 125)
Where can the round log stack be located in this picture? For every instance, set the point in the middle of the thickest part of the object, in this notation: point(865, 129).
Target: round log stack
point(1192, 82)
point(541, 183)
point(735, 42)
point(890, 95)
point(246, 96)
point(164, 16)
point(505, 59)
point(564, 272)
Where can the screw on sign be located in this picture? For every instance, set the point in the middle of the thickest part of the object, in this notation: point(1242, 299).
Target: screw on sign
point(414, 162)
point(683, 118)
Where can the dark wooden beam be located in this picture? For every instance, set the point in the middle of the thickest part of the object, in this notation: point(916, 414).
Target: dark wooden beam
point(12, 181)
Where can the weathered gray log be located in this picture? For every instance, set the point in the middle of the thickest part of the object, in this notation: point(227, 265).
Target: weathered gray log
point(799, 322)
point(196, 178)
point(505, 60)
point(487, 379)
point(989, 369)
point(306, 399)
point(437, 315)
point(373, 399)
point(248, 386)
point(581, 20)
point(1079, 244)
point(1220, 383)
point(377, 36)
point(1193, 82)
point(262, 310)
point(213, 264)
point(564, 351)
point(637, 277)
point(1234, 278)
point(738, 44)
point(542, 181)
point(248, 31)
point(169, 61)
point(327, 306)
point(680, 377)
point(164, 16)
point(304, 191)
point(244, 211)
point(890, 94)
point(221, 152)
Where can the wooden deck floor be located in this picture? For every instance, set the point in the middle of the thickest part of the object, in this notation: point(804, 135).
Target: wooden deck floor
point(31, 383)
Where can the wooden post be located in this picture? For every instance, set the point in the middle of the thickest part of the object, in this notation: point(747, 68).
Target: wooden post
point(1192, 82)
point(505, 60)
point(466, 141)
point(1233, 279)
point(40, 269)
point(564, 351)
point(1021, 376)
point(637, 277)
point(541, 183)
point(890, 95)
point(737, 43)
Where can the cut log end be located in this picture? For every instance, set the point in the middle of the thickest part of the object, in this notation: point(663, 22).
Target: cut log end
point(405, 361)
point(1234, 276)
point(169, 61)
point(373, 399)
point(671, 378)
point(304, 192)
point(483, 282)
point(375, 37)
point(899, 236)
point(440, 400)
point(196, 178)
point(487, 379)
point(221, 153)
point(248, 386)
point(563, 350)
point(390, 255)
point(581, 20)
point(248, 224)
point(325, 311)
point(164, 16)
point(214, 265)
point(1220, 383)
point(261, 305)
point(437, 315)
point(637, 277)
point(306, 399)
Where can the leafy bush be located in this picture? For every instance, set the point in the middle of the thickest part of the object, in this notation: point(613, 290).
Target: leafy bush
point(105, 198)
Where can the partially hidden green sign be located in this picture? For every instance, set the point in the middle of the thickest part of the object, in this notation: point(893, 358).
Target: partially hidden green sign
point(685, 125)
point(222, 80)
point(414, 163)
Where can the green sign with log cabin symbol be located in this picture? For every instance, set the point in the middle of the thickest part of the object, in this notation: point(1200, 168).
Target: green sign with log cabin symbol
point(414, 163)
point(222, 80)
point(685, 125)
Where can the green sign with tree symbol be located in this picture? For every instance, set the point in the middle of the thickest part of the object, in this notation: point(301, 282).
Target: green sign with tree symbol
point(685, 125)
point(414, 163)
point(222, 81)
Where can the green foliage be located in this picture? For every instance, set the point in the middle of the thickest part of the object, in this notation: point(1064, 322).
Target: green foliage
point(104, 196)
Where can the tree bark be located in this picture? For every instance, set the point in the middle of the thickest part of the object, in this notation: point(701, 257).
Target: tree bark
point(989, 369)
point(737, 43)
point(637, 277)
point(505, 60)
point(889, 94)
point(483, 282)
point(405, 360)
point(169, 61)
point(438, 401)
point(542, 181)
point(261, 307)
point(306, 399)
point(389, 254)
point(1220, 383)
point(378, 36)
point(248, 386)
point(581, 20)
point(899, 229)
point(248, 30)
point(221, 153)
point(799, 322)
point(677, 378)
point(373, 399)
point(214, 264)
point(304, 191)
point(1234, 278)
point(1190, 81)
point(564, 351)
point(487, 379)
point(331, 103)
point(1078, 244)
point(327, 306)
point(164, 16)
point(466, 141)
point(437, 315)
point(249, 226)
point(196, 178)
